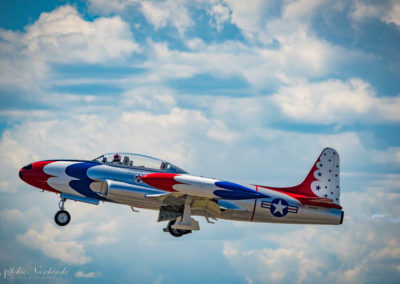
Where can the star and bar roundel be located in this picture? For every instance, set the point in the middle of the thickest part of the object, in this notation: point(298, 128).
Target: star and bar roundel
point(279, 207)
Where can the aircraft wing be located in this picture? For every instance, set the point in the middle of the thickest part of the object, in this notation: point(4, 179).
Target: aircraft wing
point(126, 193)
point(175, 199)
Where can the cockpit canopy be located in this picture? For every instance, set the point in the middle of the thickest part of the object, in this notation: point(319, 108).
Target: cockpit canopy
point(130, 160)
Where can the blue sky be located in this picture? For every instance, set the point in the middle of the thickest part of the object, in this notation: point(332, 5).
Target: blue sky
point(242, 90)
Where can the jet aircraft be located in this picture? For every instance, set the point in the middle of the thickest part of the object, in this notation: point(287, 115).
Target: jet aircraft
point(150, 183)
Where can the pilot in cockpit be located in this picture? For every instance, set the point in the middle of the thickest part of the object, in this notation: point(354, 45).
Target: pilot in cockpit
point(164, 166)
point(117, 159)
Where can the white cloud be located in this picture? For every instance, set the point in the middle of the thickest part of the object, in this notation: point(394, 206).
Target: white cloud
point(86, 230)
point(170, 12)
point(64, 36)
point(229, 250)
point(108, 7)
point(259, 67)
point(290, 53)
point(159, 279)
point(159, 14)
point(393, 16)
point(302, 8)
point(309, 254)
point(334, 101)
point(154, 99)
point(220, 13)
point(16, 160)
point(389, 156)
point(249, 16)
point(50, 242)
point(298, 53)
point(386, 217)
point(12, 214)
point(386, 11)
point(81, 274)
point(61, 36)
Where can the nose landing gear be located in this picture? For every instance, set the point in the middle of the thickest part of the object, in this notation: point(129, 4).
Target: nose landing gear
point(62, 217)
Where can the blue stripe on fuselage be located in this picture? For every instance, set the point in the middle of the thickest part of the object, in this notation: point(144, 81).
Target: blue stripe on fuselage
point(82, 185)
point(236, 191)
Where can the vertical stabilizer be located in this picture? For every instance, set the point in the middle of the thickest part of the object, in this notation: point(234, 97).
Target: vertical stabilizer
point(324, 179)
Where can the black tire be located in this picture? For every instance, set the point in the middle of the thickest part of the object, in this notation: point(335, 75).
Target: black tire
point(62, 218)
point(176, 232)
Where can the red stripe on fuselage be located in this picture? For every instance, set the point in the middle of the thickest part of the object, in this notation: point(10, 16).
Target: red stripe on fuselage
point(37, 177)
point(163, 181)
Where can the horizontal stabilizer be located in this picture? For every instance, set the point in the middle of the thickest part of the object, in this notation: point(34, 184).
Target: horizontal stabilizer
point(318, 201)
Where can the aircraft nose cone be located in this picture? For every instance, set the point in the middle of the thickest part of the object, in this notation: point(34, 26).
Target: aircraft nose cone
point(34, 174)
point(24, 169)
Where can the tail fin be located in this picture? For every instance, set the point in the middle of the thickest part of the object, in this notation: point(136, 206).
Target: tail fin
point(324, 179)
point(321, 187)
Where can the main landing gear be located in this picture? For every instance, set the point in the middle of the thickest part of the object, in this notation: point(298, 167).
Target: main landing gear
point(62, 217)
point(175, 232)
point(183, 224)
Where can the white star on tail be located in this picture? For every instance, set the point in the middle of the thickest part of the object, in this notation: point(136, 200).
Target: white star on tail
point(279, 208)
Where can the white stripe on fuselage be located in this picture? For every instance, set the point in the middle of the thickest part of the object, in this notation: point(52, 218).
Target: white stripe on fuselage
point(196, 186)
point(60, 180)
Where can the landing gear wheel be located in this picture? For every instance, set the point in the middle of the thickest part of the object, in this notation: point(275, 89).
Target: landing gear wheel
point(62, 218)
point(176, 232)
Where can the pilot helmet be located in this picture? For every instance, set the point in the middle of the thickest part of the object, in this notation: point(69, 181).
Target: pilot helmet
point(117, 157)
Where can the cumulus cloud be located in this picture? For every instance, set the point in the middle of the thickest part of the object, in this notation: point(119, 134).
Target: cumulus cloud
point(159, 14)
point(81, 274)
point(335, 254)
point(390, 156)
point(106, 7)
point(155, 99)
point(70, 246)
point(277, 49)
point(221, 14)
point(386, 11)
point(285, 49)
point(249, 16)
point(297, 53)
point(49, 242)
point(335, 101)
point(12, 214)
point(64, 36)
point(170, 12)
point(261, 67)
point(61, 36)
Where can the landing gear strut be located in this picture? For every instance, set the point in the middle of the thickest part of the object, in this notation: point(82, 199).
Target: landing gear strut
point(62, 217)
point(183, 224)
